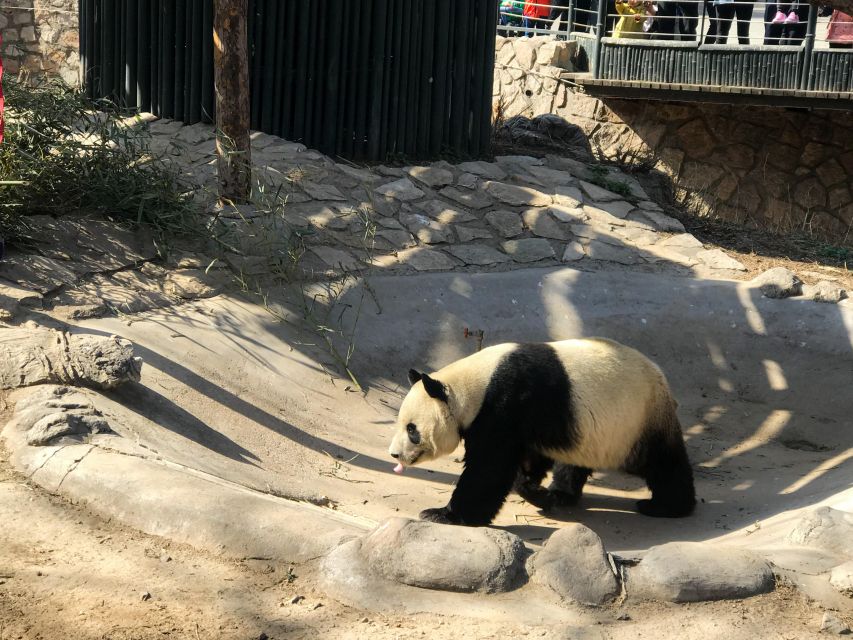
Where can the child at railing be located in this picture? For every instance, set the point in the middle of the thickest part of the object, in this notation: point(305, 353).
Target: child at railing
point(633, 14)
point(785, 23)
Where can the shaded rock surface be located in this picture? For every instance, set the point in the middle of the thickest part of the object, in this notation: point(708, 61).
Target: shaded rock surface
point(574, 564)
point(432, 556)
point(694, 572)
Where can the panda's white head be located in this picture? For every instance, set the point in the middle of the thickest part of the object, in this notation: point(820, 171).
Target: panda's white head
point(426, 429)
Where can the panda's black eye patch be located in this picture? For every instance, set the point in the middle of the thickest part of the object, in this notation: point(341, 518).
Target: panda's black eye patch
point(414, 436)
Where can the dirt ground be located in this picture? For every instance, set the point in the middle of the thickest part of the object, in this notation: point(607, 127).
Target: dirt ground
point(67, 574)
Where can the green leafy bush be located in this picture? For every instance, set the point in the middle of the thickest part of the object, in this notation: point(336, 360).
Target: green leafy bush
point(64, 153)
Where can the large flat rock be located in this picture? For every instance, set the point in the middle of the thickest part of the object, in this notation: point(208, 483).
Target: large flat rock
point(434, 556)
point(695, 572)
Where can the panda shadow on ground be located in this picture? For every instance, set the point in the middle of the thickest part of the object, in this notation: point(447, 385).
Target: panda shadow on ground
point(757, 381)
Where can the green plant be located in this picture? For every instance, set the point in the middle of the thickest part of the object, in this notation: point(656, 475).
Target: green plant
point(598, 175)
point(65, 153)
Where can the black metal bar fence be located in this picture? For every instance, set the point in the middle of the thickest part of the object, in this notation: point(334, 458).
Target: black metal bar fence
point(363, 79)
point(781, 44)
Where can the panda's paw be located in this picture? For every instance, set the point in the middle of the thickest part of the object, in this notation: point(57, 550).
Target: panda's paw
point(535, 494)
point(441, 515)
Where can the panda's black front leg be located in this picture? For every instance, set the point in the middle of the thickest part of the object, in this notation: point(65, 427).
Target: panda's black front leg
point(482, 488)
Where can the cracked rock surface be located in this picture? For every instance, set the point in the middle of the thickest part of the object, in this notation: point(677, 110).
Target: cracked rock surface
point(31, 355)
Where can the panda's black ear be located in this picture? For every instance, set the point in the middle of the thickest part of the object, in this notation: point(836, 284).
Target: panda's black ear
point(414, 376)
point(434, 388)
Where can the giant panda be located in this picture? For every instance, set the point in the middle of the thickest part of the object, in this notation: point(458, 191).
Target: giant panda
point(585, 404)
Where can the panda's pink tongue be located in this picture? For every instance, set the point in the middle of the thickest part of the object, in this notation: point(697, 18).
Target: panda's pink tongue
point(399, 468)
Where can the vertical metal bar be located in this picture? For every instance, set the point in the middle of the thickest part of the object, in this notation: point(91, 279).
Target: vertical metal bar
point(167, 59)
point(483, 111)
point(601, 16)
point(440, 72)
point(207, 93)
point(131, 95)
point(271, 37)
point(329, 135)
point(360, 48)
point(289, 63)
point(425, 81)
point(378, 84)
point(570, 18)
point(806, 70)
point(178, 82)
point(278, 66)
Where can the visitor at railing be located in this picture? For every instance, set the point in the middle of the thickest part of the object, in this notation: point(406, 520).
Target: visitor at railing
point(772, 22)
point(722, 12)
point(675, 16)
point(785, 23)
point(634, 15)
point(536, 13)
point(839, 33)
point(511, 16)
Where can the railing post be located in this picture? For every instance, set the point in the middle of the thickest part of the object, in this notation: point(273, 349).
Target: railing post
point(570, 18)
point(806, 72)
point(601, 16)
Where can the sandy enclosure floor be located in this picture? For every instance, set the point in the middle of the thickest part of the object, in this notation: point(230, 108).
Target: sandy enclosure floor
point(229, 391)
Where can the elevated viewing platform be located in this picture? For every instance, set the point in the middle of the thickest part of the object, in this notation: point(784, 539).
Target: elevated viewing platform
point(784, 55)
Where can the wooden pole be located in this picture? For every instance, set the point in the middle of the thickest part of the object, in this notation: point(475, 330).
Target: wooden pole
point(231, 85)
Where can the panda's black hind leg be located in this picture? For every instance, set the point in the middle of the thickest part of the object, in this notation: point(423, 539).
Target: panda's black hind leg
point(528, 481)
point(662, 460)
point(567, 484)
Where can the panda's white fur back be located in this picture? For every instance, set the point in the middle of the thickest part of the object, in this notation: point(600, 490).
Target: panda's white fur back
point(615, 391)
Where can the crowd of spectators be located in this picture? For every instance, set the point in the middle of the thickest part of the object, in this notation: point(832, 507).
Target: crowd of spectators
point(784, 22)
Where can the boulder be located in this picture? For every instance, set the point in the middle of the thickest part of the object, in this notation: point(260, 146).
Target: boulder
point(826, 529)
point(841, 578)
point(778, 282)
point(51, 413)
point(574, 564)
point(695, 572)
point(31, 355)
point(449, 558)
point(824, 291)
point(831, 623)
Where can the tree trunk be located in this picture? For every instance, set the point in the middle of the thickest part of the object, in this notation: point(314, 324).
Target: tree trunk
point(231, 84)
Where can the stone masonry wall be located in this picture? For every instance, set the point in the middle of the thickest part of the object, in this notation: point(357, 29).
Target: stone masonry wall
point(40, 37)
point(776, 167)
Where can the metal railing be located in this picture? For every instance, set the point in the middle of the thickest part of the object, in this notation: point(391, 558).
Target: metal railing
point(778, 45)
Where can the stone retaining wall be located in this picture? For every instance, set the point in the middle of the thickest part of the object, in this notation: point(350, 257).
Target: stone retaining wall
point(776, 167)
point(41, 37)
